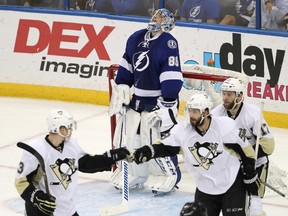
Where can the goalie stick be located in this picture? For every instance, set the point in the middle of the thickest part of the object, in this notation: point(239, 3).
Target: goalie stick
point(41, 162)
point(123, 207)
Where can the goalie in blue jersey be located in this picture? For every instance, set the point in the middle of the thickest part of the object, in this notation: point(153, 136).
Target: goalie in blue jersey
point(151, 65)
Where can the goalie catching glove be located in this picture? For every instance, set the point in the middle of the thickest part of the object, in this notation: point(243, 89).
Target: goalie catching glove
point(162, 117)
point(46, 204)
point(120, 96)
point(251, 180)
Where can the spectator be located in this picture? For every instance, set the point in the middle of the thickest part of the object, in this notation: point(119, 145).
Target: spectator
point(227, 7)
point(171, 5)
point(44, 3)
point(272, 15)
point(101, 6)
point(244, 11)
point(200, 11)
point(130, 7)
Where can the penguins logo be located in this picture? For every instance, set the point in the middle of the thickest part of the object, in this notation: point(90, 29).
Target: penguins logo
point(204, 154)
point(64, 169)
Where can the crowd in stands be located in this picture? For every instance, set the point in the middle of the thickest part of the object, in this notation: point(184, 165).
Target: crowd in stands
point(232, 12)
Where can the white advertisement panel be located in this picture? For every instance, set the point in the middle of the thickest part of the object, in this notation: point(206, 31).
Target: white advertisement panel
point(75, 51)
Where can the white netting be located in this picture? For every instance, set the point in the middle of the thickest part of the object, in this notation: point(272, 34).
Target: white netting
point(204, 78)
point(278, 179)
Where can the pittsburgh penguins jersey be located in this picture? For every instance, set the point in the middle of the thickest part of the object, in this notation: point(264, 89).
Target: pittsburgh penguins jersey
point(214, 166)
point(152, 66)
point(247, 120)
point(61, 170)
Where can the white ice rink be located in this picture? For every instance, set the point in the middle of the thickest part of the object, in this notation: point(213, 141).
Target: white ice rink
point(24, 119)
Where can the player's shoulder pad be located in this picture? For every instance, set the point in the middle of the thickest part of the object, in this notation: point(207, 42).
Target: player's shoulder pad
point(218, 110)
point(168, 40)
point(137, 34)
point(251, 111)
point(224, 124)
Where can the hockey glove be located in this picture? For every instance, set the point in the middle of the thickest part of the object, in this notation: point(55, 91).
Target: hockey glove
point(117, 154)
point(250, 178)
point(162, 117)
point(46, 204)
point(120, 96)
point(144, 154)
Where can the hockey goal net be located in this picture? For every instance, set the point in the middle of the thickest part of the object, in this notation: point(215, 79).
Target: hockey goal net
point(204, 78)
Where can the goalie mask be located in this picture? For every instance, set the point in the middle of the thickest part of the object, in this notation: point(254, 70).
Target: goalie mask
point(58, 118)
point(166, 25)
point(194, 209)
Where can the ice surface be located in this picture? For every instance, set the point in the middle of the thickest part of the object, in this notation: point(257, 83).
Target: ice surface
point(23, 119)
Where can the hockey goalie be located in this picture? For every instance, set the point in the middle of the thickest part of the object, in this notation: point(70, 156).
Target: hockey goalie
point(150, 65)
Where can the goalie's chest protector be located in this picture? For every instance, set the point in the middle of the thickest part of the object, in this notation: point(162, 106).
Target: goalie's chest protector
point(215, 168)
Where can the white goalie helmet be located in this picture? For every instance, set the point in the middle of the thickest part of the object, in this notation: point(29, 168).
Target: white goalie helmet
point(200, 101)
point(58, 118)
point(167, 25)
point(233, 84)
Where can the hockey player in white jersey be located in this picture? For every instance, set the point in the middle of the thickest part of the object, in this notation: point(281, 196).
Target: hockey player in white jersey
point(247, 117)
point(63, 158)
point(150, 64)
point(212, 149)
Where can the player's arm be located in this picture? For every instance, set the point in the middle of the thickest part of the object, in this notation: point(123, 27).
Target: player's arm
point(28, 176)
point(167, 146)
point(148, 152)
point(121, 85)
point(241, 147)
point(162, 117)
point(97, 163)
point(266, 140)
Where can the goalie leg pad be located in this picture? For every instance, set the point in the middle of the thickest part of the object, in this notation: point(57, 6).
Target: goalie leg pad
point(165, 175)
point(263, 174)
point(132, 121)
point(137, 173)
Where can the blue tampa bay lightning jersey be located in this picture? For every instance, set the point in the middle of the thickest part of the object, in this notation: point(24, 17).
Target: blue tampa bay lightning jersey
point(152, 66)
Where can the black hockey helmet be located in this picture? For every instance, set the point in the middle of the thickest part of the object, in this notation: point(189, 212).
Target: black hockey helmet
point(194, 209)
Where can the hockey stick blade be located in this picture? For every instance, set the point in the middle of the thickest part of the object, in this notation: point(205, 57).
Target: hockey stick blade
point(114, 210)
point(123, 207)
point(40, 159)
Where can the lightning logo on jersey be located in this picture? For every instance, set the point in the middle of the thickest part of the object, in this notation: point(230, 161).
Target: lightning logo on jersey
point(204, 154)
point(64, 169)
point(140, 61)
